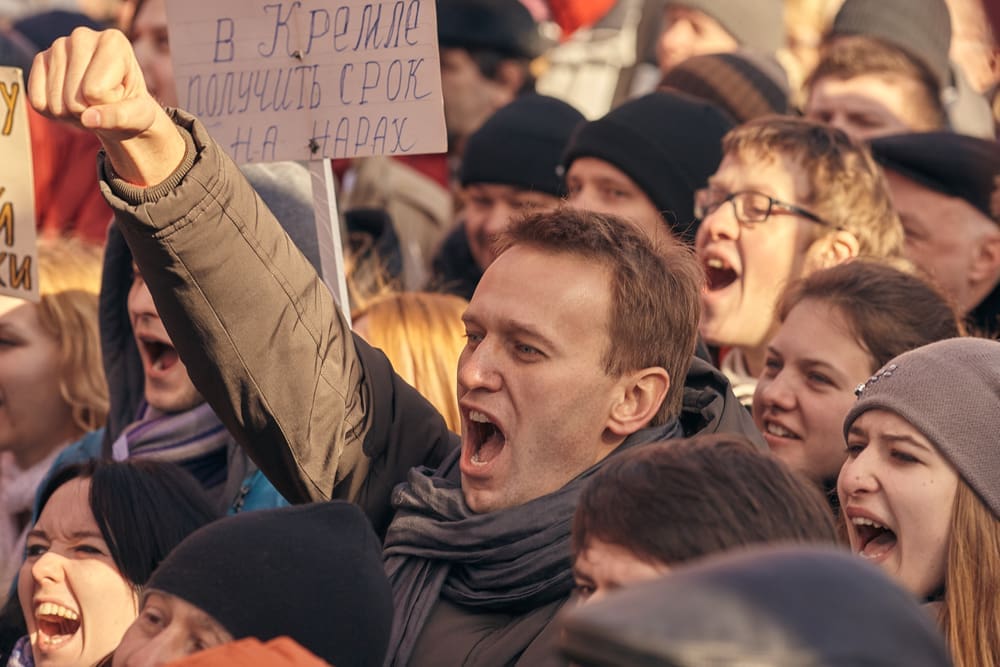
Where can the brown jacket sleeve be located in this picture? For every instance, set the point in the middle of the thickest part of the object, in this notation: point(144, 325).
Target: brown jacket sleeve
point(263, 339)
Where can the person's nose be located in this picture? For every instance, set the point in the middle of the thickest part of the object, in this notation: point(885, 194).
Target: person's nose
point(478, 366)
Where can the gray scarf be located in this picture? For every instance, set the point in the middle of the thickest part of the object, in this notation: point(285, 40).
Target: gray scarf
point(510, 561)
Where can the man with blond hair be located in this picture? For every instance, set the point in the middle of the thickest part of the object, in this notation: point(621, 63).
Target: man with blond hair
point(790, 197)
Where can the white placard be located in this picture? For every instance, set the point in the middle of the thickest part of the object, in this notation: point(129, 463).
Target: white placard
point(18, 269)
point(310, 79)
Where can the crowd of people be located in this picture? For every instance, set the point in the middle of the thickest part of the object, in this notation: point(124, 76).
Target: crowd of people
point(711, 376)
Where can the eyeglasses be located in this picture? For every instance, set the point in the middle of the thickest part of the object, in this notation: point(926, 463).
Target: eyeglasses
point(750, 207)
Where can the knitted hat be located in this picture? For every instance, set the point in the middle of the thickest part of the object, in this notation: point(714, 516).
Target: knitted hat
point(503, 26)
point(744, 84)
point(668, 143)
point(756, 24)
point(950, 392)
point(953, 164)
point(923, 31)
point(311, 572)
point(777, 605)
point(522, 145)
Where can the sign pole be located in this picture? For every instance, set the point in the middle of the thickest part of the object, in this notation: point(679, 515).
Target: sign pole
point(331, 247)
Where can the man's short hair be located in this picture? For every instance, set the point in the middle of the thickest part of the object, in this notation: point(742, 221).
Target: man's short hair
point(847, 188)
point(655, 291)
point(852, 56)
point(671, 502)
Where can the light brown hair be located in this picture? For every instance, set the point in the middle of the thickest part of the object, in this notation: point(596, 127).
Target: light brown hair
point(423, 335)
point(847, 188)
point(970, 618)
point(655, 291)
point(69, 280)
point(888, 311)
point(852, 56)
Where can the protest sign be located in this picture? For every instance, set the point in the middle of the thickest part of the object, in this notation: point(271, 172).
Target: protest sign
point(310, 79)
point(18, 270)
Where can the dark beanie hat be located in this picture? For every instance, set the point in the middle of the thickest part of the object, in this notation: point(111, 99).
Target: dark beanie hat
point(777, 605)
point(950, 392)
point(503, 26)
point(922, 30)
point(668, 143)
point(953, 164)
point(310, 572)
point(522, 144)
point(743, 84)
point(756, 24)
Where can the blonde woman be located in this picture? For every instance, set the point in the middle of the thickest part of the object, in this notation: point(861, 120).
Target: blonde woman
point(52, 386)
point(423, 335)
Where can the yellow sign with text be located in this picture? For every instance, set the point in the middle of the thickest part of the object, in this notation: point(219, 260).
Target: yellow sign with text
point(18, 269)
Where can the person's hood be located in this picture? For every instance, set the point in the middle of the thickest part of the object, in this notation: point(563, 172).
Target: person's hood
point(776, 606)
point(710, 406)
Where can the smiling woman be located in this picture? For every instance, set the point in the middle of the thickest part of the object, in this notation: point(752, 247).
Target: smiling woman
point(101, 531)
point(838, 326)
point(921, 486)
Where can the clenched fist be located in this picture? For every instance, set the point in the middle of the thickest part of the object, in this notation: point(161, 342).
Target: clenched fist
point(92, 80)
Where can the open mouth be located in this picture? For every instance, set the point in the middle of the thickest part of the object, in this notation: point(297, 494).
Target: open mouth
point(779, 431)
point(162, 356)
point(487, 439)
point(56, 624)
point(874, 539)
point(718, 274)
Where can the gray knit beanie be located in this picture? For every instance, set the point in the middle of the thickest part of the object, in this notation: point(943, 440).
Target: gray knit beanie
point(921, 29)
point(950, 392)
point(755, 24)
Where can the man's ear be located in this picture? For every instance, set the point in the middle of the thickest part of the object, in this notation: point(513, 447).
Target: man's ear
point(833, 249)
point(985, 264)
point(641, 395)
point(511, 75)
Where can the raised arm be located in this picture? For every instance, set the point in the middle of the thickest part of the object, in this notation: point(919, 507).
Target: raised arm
point(322, 415)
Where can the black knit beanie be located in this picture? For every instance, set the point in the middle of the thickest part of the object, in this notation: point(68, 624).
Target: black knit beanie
point(522, 145)
point(952, 164)
point(501, 26)
point(668, 143)
point(744, 84)
point(310, 572)
point(921, 28)
point(950, 392)
point(756, 24)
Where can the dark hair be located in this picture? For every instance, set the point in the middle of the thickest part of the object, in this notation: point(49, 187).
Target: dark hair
point(888, 311)
point(143, 508)
point(677, 500)
point(655, 291)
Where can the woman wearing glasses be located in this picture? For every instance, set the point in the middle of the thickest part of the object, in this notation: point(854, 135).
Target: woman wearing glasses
point(789, 197)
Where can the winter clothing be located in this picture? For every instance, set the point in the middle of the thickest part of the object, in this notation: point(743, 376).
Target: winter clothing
point(777, 606)
point(668, 143)
point(343, 424)
point(957, 166)
point(744, 84)
point(454, 270)
point(280, 652)
point(759, 25)
point(502, 26)
point(952, 164)
point(17, 496)
point(950, 392)
point(312, 572)
point(922, 33)
point(522, 145)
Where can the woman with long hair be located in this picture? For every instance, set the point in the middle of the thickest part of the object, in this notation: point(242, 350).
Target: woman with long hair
point(920, 489)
